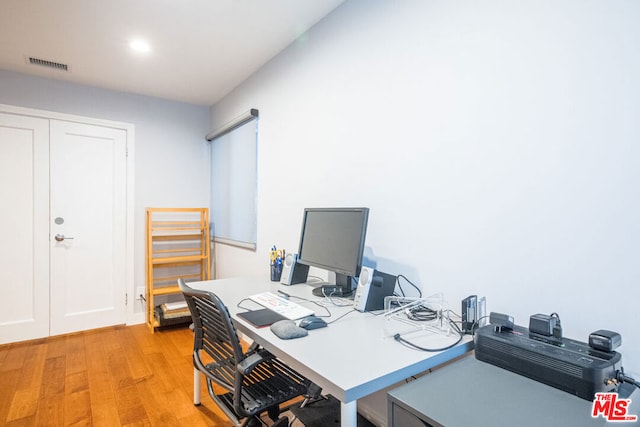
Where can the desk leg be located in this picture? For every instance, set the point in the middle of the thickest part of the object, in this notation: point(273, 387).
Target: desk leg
point(196, 386)
point(349, 414)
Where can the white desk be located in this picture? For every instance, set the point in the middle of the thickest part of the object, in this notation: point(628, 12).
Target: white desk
point(350, 358)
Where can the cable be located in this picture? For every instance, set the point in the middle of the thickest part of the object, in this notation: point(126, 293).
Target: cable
point(455, 314)
point(409, 344)
point(409, 282)
point(622, 378)
point(476, 324)
point(421, 313)
point(347, 313)
point(244, 308)
point(336, 301)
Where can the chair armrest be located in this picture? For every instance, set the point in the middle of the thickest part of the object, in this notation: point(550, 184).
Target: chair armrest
point(249, 363)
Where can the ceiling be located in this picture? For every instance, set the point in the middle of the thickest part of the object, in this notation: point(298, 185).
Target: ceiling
point(199, 49)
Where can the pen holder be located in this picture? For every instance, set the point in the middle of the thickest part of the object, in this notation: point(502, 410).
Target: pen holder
point(276, 272)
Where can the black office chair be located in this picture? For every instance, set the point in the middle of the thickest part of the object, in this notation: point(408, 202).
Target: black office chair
point(254, 381)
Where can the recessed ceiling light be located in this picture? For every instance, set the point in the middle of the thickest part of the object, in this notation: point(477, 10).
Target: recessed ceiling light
point(140, 45)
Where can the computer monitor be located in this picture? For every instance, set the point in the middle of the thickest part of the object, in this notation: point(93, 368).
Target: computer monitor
point(333, 239)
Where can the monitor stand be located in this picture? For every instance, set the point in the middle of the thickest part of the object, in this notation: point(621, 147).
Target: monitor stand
point(329, 290)
point(340, 288)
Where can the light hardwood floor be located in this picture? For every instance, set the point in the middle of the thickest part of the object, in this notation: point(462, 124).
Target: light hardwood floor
point(108, 377)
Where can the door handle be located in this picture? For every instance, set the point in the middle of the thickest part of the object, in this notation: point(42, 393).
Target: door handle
point(61, 237)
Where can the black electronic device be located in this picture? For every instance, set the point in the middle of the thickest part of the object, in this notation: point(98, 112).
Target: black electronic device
point(333, 239)
point(569, 365)
point(501, 321)
point(542, 324)
point(469, 313)
point(604, 340)
point(547, 328)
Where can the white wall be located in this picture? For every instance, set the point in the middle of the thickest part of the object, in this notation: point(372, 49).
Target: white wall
point(495, 142)
point(171, 155)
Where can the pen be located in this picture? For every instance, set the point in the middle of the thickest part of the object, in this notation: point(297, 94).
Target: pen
point(286, 295)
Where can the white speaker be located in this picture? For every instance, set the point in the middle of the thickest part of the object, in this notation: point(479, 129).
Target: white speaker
point(292, 272)
point(373, 286)
point(362, 290)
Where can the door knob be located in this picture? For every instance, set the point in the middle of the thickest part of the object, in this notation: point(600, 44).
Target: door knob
point(61, 237)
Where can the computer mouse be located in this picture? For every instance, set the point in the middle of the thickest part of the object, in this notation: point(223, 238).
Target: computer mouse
point(312, 322)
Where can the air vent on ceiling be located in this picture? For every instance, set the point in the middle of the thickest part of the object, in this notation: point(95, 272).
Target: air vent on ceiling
point(49, 64)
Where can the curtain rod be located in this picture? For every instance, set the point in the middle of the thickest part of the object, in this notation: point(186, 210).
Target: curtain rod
point(236, 123)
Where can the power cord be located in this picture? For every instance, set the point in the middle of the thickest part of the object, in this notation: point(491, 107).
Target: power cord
point(336, 300)
point(557, 328)
point(409, 282)
point(422, 313)
point(409, 344)
point(476, 324)
point(621, 377)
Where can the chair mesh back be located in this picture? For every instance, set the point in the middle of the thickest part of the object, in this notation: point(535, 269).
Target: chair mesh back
point(215, 335)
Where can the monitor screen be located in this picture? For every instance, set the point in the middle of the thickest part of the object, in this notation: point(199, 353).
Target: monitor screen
point(333, 239)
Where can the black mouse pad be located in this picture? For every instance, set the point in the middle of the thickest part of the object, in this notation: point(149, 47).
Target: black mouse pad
point(261, 318)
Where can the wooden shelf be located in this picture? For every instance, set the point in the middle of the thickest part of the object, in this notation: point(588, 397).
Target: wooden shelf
point(178, 259)
point(166, 290)
point(177, 247)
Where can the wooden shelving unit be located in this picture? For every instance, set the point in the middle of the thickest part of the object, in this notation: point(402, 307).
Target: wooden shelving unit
point(177, 246)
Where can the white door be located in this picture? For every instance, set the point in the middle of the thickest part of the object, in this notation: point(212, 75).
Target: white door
point(24, 228)
point(67, 179)
point(88, 226)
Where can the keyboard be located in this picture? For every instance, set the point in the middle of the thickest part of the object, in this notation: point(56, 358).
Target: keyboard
point(281, 305)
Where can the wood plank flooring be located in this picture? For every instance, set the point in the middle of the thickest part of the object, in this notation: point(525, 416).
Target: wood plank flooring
point(108, 377)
